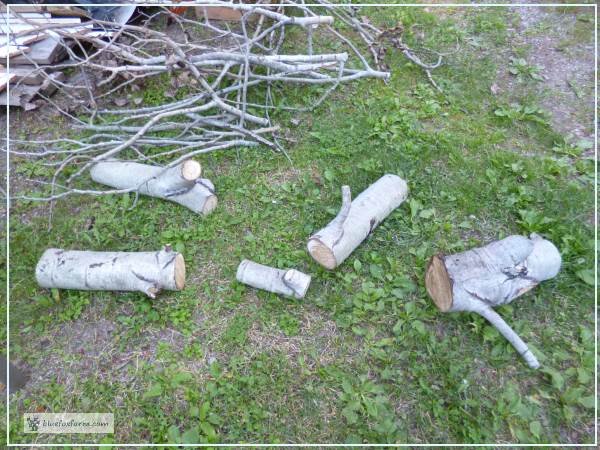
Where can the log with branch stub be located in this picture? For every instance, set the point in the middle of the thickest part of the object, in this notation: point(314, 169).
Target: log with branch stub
point(221, 67)
point(482, 278)
point(180, 184)
point(230, 75)
point(290, 283)
point(331, 245)
point(147, 272)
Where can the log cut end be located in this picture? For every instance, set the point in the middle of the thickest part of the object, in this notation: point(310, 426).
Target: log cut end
point(239, 275)
point(209, 205)
point(290, 283)
point(298, 282)
point(191, 170)
point(44, 267)
point(321, 253)
point(438, 283)
point(179, 271)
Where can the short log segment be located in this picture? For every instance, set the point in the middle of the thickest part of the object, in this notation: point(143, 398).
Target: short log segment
point(331, 245)
point(291, 282)
point(480, 279)
point(180, 184)
point(147, 272)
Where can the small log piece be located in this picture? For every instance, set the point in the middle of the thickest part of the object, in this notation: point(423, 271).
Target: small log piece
point(290, 283)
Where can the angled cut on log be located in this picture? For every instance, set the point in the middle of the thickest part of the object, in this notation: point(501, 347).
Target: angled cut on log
point(331, 245)
point(290, 283)
point(147, 272)
point(480, 279)
point(180, 184)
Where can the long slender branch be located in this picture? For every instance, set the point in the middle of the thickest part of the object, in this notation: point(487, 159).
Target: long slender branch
point(221, 77)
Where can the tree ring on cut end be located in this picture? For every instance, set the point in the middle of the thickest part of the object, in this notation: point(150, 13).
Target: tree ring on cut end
point(179, 271)
point(321, 253)
point(191, 170)
point(210, 204)
point(438, 283)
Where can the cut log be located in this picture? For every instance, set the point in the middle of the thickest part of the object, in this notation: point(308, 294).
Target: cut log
point(147, 272)
point(480, 279)
point(290, 283)
point(356, 220)
point(180, 184)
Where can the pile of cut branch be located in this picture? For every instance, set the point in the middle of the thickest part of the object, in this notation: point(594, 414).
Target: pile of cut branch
point(222, 76)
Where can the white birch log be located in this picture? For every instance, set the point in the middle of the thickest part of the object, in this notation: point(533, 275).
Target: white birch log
point(356, 220)
point(291, 282)
point(180, 184)
point(147, 272)
point(480, 279)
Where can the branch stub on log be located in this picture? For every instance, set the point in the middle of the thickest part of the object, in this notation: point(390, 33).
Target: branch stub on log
point(482, 278)
point(356, 220)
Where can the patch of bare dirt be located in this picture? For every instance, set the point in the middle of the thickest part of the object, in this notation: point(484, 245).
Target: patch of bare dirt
point(285, 175)
point(43, 123)
point(91, 347)
point(76, 349)
point(561, 43)
point(316, 333)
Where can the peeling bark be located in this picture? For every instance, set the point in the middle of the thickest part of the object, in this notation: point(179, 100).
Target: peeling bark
point(147, 272)
point(480, 279)
point(357, 219)
point(290, 283)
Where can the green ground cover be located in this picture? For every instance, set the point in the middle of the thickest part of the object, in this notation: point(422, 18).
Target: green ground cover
point(365, 357)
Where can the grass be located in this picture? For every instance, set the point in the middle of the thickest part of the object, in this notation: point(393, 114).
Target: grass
point(365, 357)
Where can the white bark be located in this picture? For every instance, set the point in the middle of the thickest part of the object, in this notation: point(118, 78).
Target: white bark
point(493, 275)
point(147, 272)
point(180, 184)
point(236, 97)
point(291, 282)
point(356, 220)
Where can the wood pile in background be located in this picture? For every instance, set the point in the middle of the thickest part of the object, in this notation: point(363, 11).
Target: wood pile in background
point(33, 40)
point(30, 45)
